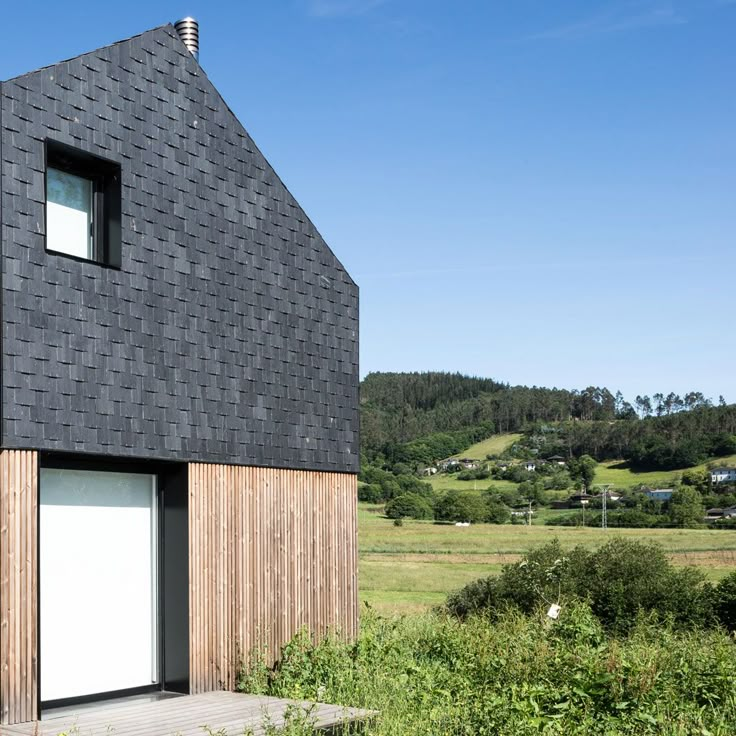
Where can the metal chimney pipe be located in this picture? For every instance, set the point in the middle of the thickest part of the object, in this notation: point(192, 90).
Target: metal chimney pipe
point(188, 30)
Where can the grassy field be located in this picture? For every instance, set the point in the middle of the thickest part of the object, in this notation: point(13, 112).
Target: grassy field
point(413, 567)
point(618, 473)
point(446, 481)
point(492, 446)
point(615, 472)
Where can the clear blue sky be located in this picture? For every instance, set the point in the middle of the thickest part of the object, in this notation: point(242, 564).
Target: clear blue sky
point(540, 192)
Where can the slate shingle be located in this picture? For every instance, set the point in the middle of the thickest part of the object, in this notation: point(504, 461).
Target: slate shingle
point(230, 332)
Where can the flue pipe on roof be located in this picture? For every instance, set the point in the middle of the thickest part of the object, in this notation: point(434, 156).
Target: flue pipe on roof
point(188, 30)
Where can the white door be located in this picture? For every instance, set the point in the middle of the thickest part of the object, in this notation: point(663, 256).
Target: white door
point(97, 538)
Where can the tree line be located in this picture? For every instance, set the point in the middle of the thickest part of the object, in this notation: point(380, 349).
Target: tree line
point(419, 418)
point(401, 407)
point(665, 442)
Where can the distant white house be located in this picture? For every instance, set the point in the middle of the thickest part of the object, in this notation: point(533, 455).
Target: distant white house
point(659, 494)
point(452, 463)
point(611, 496)
point(723, 475)
point(530, 465)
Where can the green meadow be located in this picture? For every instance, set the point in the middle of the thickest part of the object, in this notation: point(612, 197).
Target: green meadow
point(412, 567)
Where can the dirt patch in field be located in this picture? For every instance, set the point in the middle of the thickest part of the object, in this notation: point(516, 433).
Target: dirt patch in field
point(706, 558)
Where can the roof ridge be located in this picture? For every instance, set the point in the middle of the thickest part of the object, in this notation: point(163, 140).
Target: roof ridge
point(92, 51)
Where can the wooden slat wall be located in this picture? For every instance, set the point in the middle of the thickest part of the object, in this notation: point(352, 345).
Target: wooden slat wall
point(270, 551)
point(18, 586)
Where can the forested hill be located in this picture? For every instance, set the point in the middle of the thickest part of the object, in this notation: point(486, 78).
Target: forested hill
point(663, 431)
point(400, 407)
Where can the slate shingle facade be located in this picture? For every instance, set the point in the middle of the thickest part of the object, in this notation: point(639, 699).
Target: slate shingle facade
point(229, 334)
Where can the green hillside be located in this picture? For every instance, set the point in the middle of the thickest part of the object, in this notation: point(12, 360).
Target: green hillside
point(492, 446)
point(446, 481)
point(614, 472)
point(621, 475)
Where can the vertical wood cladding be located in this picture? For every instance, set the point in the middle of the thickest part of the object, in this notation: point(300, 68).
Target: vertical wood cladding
point(230, 332)
point(18, 586)
point(270, 551)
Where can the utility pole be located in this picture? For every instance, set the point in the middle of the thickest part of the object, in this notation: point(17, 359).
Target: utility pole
point(604, 503)
point(529, 515)
point(604, 519)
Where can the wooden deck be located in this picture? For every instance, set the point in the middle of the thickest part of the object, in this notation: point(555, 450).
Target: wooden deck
point(228, 714)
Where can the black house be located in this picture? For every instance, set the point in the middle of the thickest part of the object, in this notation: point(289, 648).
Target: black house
point(179, 388)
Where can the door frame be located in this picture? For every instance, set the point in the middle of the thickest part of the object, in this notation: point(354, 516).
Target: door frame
point(163, 472)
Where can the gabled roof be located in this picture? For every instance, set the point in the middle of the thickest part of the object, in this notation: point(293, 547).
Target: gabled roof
point(169, 30)
point(230, 332)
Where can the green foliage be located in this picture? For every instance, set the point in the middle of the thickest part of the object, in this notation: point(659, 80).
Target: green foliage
point(438, 446)
point(371, 493)
point(533, 489)
point(516, 474)
point(557, 480)
point(461, 506)
point(409, 505)
point(686, 507)
point(619, 580)
point(671, 441)
point(475, 474)
point(624, 519)
point(725, 601)
point(659, 453)
point(415, 418)
point(698, 478)
point(517, 676)
point(379, 485)
point(482, 596)
point(582, 470)
point(625, 577)
point(398, 408)
point(497, 512)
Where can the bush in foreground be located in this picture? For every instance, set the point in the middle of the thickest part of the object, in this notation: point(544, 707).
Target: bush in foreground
point(725, 601)
point(434, 674)
point(619, 580)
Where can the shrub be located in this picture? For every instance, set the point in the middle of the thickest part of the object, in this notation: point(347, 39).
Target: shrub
point(461, 506)
point(476, 597)
point(621, 519)
point(408, 505)
point(725, 601)
point(540, 578)
point(497, 512)
point(624, 577)
point(515, 676)
point(686, 507)
point(370, 493)
point(619, 580)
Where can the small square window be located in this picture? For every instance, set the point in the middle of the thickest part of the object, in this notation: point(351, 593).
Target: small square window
point(82, 205)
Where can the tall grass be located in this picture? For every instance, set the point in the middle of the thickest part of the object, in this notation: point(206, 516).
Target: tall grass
point(433, 674)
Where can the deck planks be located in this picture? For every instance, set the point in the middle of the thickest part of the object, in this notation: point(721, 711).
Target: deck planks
point(189, 715)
